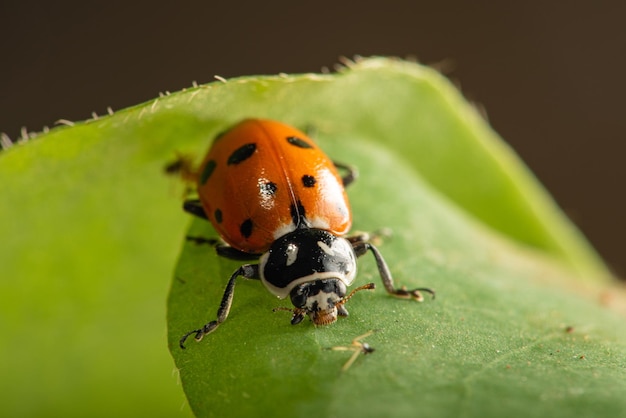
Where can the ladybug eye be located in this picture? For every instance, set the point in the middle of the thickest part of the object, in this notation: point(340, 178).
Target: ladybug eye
point(299, 296)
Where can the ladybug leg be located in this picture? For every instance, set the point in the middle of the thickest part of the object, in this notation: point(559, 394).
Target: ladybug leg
point(224, 250)
point(182, 166)
point(248, 271)
point(202, 240)
point(351, 173)
point(194, 207)
point(371, 237)
point(342, 311)
point(298, 314)
point(361, 246)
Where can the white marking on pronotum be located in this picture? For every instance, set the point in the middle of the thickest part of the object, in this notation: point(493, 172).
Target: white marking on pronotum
point(325, 248)
point(292, 254)
point(220, 78)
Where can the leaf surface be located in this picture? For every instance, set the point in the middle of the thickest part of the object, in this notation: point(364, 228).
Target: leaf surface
point(93, 229)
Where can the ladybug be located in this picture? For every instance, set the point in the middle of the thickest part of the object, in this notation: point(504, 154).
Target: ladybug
point(274, 196)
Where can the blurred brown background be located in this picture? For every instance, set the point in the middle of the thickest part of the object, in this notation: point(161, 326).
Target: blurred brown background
point(550, 74)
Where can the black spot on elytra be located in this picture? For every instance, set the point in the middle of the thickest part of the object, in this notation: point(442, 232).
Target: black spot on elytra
point(209, 168)
point(218, 216)
point(298, 214)
point(246, 228)
point(268, 189)
point(241, 154)
point(308, 181)
point(300, 143)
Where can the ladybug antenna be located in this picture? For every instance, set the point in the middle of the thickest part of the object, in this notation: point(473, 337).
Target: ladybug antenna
point(368, 286)
point(298, 313)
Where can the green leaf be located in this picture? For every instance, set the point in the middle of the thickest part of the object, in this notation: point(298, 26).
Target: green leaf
point(93, 230)
point(468, 220)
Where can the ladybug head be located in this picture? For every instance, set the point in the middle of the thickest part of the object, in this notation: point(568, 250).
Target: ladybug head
point(313, 267)
point(322, 300)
